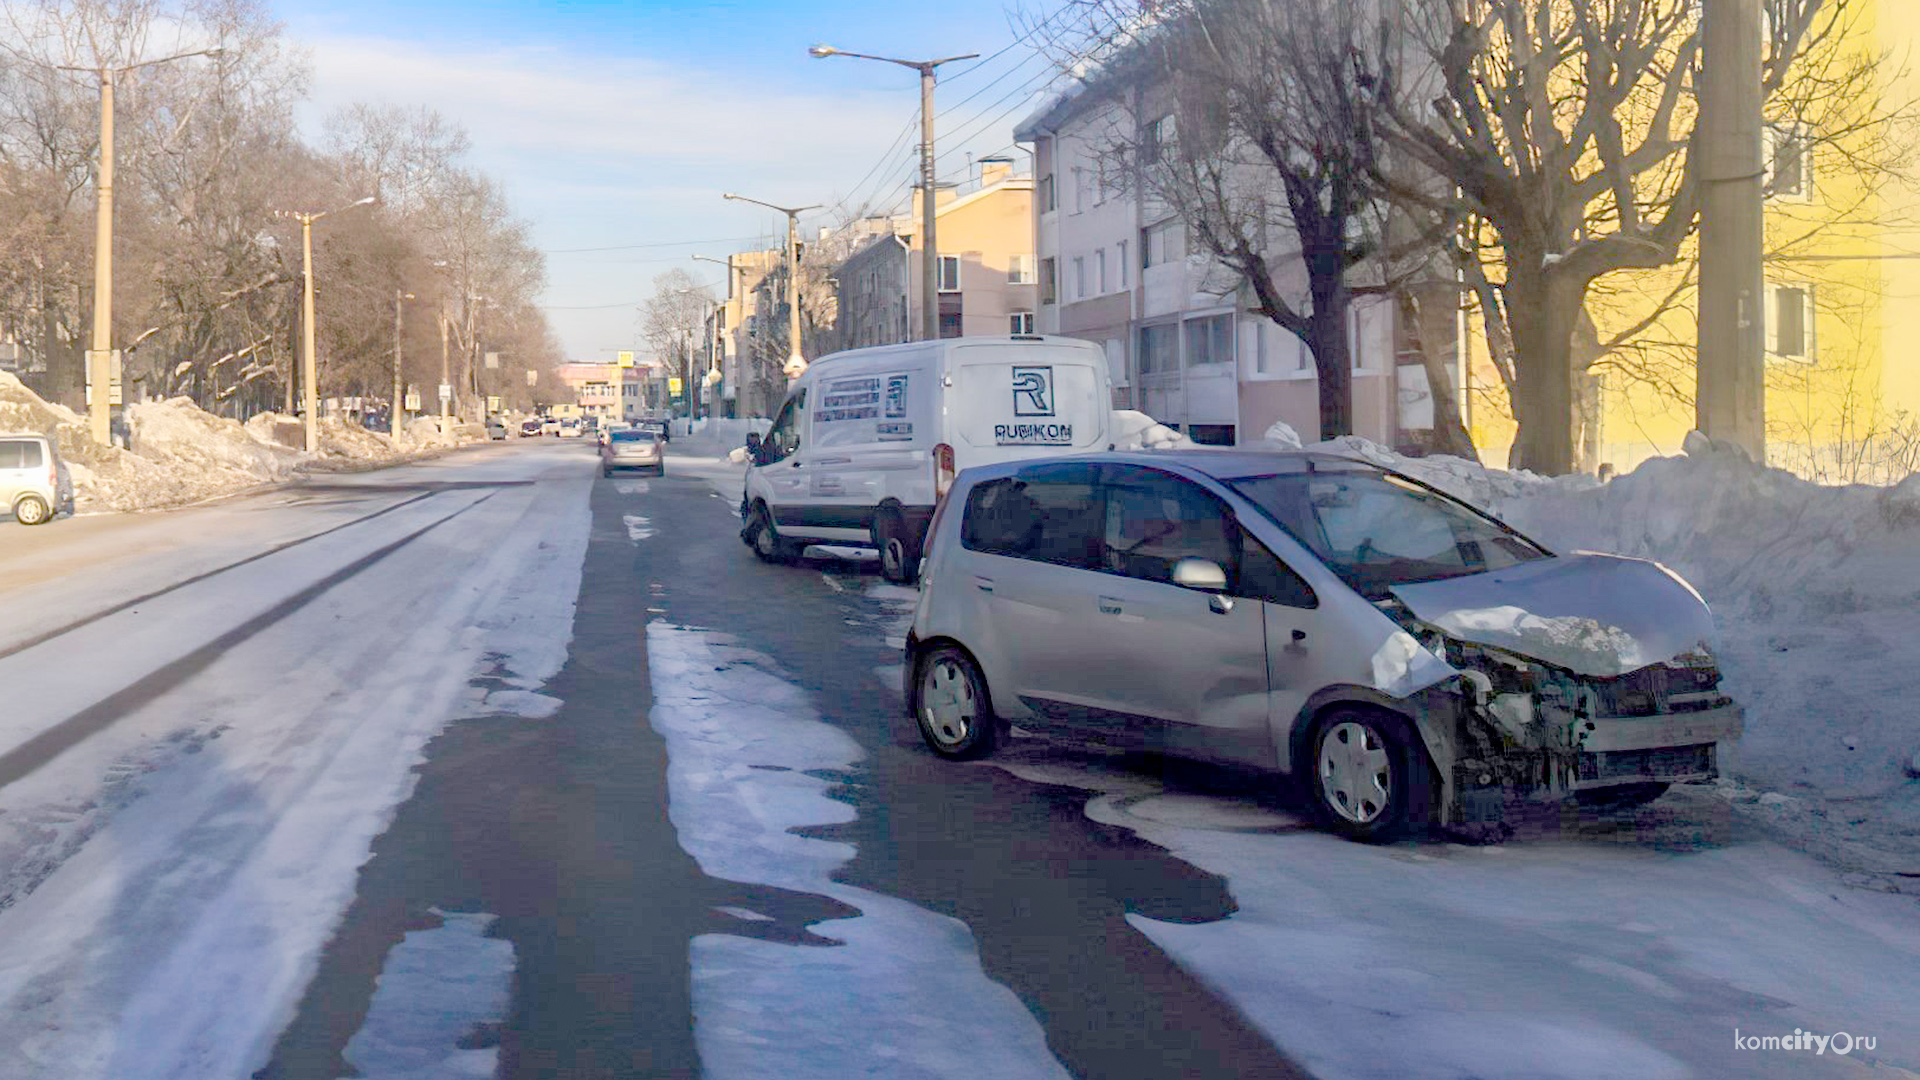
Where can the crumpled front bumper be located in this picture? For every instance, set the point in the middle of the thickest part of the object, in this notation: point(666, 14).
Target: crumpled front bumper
point(1610, 751)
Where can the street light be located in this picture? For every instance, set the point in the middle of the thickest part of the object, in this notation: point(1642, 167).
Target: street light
point(309, 397)
point(795, 362)
point(100, 356)
point(929, 249)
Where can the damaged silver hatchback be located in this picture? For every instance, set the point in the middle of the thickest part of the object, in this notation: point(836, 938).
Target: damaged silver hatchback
point(1411, 660)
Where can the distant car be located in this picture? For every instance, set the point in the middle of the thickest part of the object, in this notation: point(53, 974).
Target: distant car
point(1404, 658)
point(631, 449)
point(570, 428)
point(34, 483)
point(661, 428)
point(550, 426)
point(532, 427)
point(496, 430)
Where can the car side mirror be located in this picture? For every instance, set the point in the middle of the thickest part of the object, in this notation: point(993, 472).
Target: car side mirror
point(1201, 575)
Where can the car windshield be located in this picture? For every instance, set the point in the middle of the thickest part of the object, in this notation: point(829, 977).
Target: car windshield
point(630, 436)
point(1376, 530)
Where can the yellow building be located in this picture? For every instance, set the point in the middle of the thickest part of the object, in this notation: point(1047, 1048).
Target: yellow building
point(1842, 309)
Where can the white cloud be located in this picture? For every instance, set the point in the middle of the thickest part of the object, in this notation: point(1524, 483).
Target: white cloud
point(599, 150)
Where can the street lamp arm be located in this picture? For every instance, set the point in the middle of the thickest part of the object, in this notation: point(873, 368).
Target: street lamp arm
point(821, 52)
point(216, 50)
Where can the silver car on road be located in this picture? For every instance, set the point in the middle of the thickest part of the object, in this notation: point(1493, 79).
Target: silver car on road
point(34, 482)
point(1409, 659)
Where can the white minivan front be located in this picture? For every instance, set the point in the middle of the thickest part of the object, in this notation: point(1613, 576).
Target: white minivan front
point(868, 440)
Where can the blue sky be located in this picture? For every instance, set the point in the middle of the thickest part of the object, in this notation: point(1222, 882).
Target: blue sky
point(615, 124)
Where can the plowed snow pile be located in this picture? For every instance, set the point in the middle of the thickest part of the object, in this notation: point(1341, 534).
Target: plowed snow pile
point(182, 454)
point(1816, 592)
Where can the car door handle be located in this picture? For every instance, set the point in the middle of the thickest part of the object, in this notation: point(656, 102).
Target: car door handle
point(795, 465)
point(983, 584)
point(1110, 606)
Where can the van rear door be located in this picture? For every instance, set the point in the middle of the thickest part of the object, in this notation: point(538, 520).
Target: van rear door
point(1013, 399)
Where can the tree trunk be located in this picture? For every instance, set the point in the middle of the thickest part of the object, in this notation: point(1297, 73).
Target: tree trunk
point(1544, 314)
point(1450, 435)
point(1332, 358)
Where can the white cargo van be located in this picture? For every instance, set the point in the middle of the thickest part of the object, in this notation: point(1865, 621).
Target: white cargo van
point(868, 440)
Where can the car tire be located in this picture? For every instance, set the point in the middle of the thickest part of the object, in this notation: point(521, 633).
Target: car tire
point(32, 510)
point(766, 541)
point(899, 548)
point(1368, 777)
point(952, 705)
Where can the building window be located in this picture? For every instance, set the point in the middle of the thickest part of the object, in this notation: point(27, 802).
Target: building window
point(1209, 340)
point(949, 273)
point(949, 324)
point(1787, 172)
point(1046, 194)
point(1369, 335)
point(1211, 434)
point(1020, 270)
point(1021, 322)
point(1161, 243)
point(1079, 277)
point(1120, 261)
point(1158, 140)
point(1159, 348)
point(1049, 281)
point(1790, 322)
point(1100, 269)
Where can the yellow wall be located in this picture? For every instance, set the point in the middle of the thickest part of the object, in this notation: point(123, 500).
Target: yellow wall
point(1839, 240)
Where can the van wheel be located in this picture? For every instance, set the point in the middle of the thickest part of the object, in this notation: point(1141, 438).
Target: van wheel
point(1370, 780)
point(767, 542)
point(32, 510)
point(899, 548)
point(951, 705)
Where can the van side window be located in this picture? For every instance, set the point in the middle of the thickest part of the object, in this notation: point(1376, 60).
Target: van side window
point(1264, 577)
point(1048, 514)
point(20, 454)
point(1155, 519)
point(784, 437)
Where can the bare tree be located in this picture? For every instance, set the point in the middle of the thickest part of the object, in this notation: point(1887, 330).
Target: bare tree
point(671, 322)
point(1565, 131)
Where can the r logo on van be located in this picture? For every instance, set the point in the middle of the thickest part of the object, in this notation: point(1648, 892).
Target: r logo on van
point(1033, 391)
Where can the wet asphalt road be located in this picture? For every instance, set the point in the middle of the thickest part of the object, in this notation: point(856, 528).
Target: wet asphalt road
point(560, 828)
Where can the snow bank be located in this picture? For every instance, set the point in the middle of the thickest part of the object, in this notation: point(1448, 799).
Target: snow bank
point(179, 453)
point(1131, 430)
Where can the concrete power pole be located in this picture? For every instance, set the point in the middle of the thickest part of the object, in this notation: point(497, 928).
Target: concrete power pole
point(1730, 402)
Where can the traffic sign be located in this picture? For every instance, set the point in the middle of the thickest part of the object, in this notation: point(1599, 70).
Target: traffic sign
point(446, 391)
point(626, 359)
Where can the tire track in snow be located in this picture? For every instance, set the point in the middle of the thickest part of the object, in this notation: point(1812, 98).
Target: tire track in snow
point(48, 744)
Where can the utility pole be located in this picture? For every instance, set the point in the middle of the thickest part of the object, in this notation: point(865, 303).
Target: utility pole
point(309, 396)
point(399, 384)
point(929, 246)
point(101, 359)
point(796, 363)
point(446, 373)
point(1730, 402)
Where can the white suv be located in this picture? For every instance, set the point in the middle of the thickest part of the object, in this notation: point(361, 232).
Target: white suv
point(1412, 660)
point(34, 482)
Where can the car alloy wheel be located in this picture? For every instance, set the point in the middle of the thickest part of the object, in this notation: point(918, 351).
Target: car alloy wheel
point(32, 510)
point(1356, 773)
point(952, 707)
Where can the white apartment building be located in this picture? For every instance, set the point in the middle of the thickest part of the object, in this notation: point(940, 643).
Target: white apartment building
point(1183, 348)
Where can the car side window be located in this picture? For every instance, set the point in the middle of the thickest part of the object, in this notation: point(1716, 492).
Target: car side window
point(1264, 577)
point(1155, 519)
point(784, 437)
point(12, 453)
point(1047, 514)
